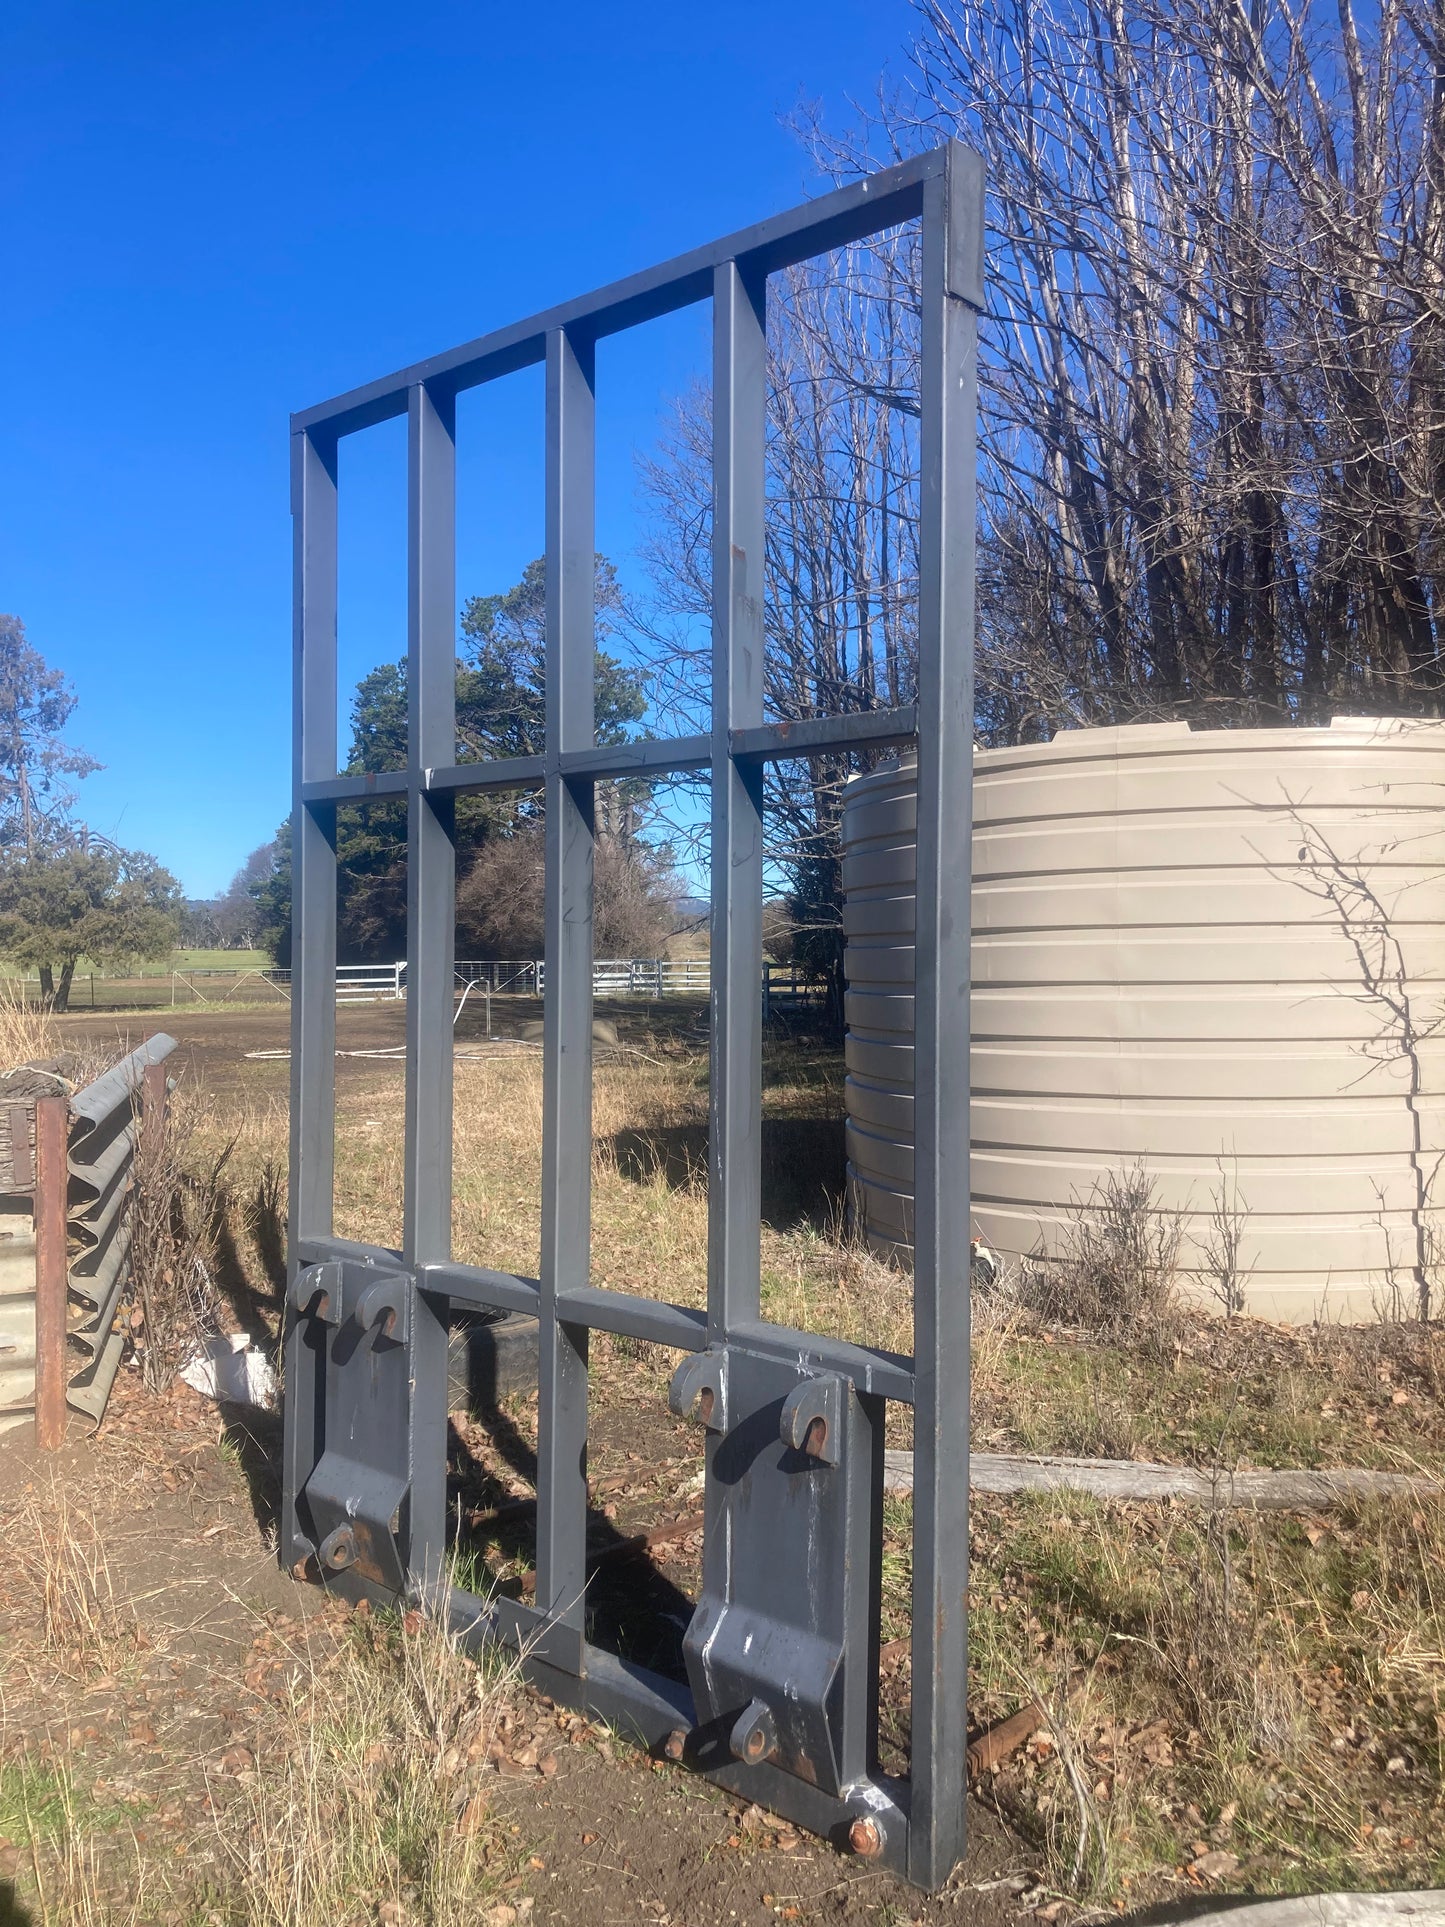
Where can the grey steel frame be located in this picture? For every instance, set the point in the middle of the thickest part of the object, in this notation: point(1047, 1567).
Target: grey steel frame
point(922, 1830)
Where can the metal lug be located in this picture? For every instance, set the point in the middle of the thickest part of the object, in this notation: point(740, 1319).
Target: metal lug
point(865, 1837)
point(699, 1390)
point(754, 1737)
point(809, 1421)
point(316, 1293)
point(381, 1309)
point(338, 1549)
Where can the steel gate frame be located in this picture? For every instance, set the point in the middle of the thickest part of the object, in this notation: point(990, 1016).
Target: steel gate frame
point(916, 1826)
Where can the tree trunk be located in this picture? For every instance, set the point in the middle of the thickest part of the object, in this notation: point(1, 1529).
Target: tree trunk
point(47, 986)
point(61, 1000)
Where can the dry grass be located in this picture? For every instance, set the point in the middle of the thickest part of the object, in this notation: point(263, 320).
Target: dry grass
point(361, 1792)
point(366, 1802)
point(1264, 1688)
point(1268, 1688)
point(176, 1217)
point(28, 1034)
point(73, 1886)
point(84, 1628)
point(649, 1183)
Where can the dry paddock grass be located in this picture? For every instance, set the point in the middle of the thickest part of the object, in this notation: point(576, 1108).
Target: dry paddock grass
point(649, 1178)
point(1249, 1704)
point(175, 1749)
point(1253, 1703)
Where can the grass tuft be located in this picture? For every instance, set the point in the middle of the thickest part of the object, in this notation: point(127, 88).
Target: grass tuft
point(369, 1792)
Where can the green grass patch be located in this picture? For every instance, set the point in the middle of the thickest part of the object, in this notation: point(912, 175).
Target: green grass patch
point(40, 1804)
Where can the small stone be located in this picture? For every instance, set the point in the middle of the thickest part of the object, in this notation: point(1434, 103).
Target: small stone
point(1216, 1865)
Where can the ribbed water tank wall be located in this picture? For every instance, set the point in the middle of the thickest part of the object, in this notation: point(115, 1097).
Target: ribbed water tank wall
point(1221, 953)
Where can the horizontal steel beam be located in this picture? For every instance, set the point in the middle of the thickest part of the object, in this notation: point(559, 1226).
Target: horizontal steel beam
point(477, 1286)
point(320, 1251)
point(678, 1326)
point(500, 773)
point(372, 786)
point(881, 200)
point(887, 1374)
point(653, 1707)
point(646, 757)
point(815, 735)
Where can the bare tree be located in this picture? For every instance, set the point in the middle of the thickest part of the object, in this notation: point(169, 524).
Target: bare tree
point(1212, 455)
point(500, 901)
point(1214, 394)
point(841, 551)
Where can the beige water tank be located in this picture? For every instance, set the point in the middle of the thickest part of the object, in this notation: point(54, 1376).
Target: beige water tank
point(1219, 952)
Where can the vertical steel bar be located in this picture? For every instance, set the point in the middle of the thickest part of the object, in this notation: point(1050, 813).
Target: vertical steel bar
point(431, 923)
point(567, 1018)
point(952, 253)
point(52, 1190)
point(313, 933)
point(739, 427)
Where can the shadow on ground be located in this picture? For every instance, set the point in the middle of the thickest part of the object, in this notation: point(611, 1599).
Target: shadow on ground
point(12, 1914)
point(804, 1166)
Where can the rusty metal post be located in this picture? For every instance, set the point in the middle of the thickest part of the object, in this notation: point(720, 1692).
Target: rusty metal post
point(52, 1184)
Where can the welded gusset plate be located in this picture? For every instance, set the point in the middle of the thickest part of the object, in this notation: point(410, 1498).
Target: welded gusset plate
point(354, 1505)
point(780, 1650)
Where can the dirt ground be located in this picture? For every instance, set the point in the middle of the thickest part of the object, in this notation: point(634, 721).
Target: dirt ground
point(147, 1711)
point(148, 1705)
point(215, 1043)
point(1236, 1703)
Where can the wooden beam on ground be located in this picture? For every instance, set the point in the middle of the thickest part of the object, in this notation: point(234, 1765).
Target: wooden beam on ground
point(1128, 1479)
point(1315, 1910)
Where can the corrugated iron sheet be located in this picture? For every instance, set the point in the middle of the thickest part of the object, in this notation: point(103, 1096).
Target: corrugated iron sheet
point(101, 1159)
point(102, 1156)
point(17, 1314)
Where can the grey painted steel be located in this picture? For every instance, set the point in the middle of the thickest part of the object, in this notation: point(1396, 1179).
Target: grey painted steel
point(755, 743)
point(882, 200)
point(431, 895)
point(313, 944)
point(793, 1420)
point(739, 431)
point(951, 276)
point(567, 1034)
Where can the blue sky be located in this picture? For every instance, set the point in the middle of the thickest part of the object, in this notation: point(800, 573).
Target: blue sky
point(213, 214)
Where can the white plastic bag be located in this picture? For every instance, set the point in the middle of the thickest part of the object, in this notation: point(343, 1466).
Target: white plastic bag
point(229, 1367)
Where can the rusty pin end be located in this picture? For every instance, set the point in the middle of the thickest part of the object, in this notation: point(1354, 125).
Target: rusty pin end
point(675, 1744)
point(865, 1838)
